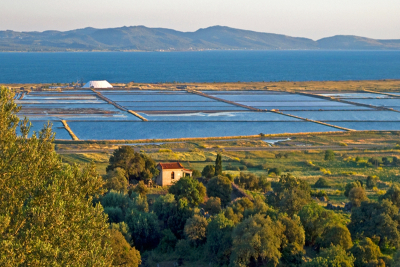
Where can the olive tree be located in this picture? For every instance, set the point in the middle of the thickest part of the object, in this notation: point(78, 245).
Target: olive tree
point(46, 210)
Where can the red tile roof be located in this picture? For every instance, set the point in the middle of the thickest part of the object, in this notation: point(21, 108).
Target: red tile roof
point(172, 165)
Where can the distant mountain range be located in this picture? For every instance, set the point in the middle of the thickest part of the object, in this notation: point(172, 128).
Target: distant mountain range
point(140, 38)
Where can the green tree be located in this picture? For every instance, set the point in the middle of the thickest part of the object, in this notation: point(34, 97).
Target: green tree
point(137, 166)
point(145, 229)
point(365, 252)
point(123, 253)
point(248, 181)
point(293, 240)
point(316, 219)
point(291, 194)
point(329, 155)
point(213, 205)
point(168, 241)
point(218, 165)
point(335, 256)
point(172, 213)
point(42, 199)
point(189, 188)
point(357, 195)
point(116, 180)
point(195, 229)
point(376, 220)
point(221, 187)
point(264, 184)
point(396, 259)
point(219, 239)
point(196, 174)
point(336, 235)
point(208, 171)
point(322, 183)
point(141, 189)
point(257, 240)
point(371, 181)
point(350, 186)
point(393, 194)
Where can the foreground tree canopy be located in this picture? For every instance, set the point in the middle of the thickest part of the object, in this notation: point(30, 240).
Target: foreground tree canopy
point(46, 213)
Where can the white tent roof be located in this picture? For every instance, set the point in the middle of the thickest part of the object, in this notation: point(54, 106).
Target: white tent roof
point(97, 84)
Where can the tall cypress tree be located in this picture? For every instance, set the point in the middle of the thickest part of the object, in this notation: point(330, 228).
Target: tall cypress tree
point(218, 165)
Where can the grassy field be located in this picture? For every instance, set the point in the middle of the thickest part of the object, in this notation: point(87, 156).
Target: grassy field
point(302, 156)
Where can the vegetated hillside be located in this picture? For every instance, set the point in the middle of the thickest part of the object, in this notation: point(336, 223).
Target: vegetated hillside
point(140, 38)
point(350, 42)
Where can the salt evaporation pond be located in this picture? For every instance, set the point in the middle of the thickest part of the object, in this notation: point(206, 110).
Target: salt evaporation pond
point(348, 115)
point(220, 116)
point(356, 95)
point(267, 97)
point(165, 130)
point(180, 114)
point(367, 126)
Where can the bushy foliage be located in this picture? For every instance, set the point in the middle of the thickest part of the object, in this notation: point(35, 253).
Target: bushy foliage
point(116, 180)
point(46, 212)
point(256, 240)
point(190, 189)
point(219, 239)
point(377, 220)
point(137, 166)
point(329, 155)
point(213, 205)
point(365, 252)
point(145, 229)
point(316, 220)
point(221, 187)
point(123, 253)
point(291, 194)
point(293, 240)
point(334, 256)
point(357, 195)
point(173, 213)
point(371, 182)
point(322, 183)
point(208, 171)
point(252, 182)
point(350, 186)
point(195, 229)
point(393, 194)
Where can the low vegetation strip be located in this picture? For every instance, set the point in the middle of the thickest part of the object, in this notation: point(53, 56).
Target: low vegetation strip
point(223, 100)
point(109, 101)
point(137, 115)
point(319, 122)
point(71, 133)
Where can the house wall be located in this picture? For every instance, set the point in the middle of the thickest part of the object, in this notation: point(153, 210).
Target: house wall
point(164, 178)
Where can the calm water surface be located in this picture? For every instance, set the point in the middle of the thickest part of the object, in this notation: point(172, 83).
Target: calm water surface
point(210, 66)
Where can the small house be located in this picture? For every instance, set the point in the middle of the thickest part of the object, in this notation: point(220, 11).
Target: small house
point(170, 173)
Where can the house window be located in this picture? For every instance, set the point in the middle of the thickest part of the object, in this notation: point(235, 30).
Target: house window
point(172, 175)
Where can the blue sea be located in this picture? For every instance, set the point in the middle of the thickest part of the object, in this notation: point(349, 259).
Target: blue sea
point(204, 66)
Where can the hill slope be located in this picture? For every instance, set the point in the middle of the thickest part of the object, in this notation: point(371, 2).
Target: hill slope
point(140, 38)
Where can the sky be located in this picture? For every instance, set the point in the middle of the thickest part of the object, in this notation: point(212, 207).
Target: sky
point(313, 19)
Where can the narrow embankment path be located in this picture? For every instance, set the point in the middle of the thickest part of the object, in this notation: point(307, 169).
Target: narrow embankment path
point(109, 101)
point(319, 122)
point(223, 100)
point(71, 133)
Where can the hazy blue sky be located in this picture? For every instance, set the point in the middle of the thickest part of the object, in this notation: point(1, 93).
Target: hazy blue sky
point(307, 18)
